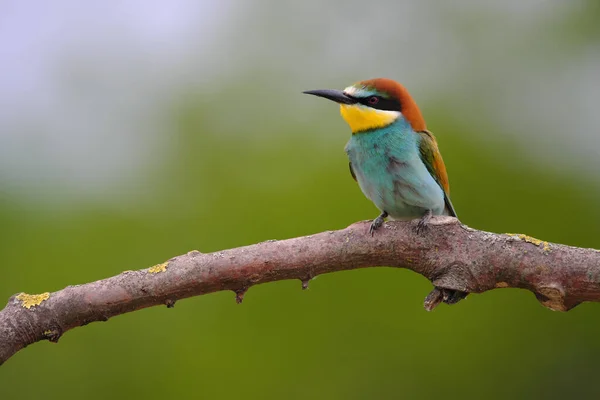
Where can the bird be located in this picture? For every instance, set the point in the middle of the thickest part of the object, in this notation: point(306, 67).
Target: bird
point(393, 157)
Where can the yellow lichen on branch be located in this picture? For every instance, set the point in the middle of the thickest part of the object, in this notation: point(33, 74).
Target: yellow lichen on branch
point(158, 268)
point(32, 300)
point(545, 245)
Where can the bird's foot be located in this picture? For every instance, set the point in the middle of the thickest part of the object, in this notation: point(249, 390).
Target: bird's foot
point(422, 224)
point(377, 222)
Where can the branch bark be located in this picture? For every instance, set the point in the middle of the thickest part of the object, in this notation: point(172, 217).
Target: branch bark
point(451, 255)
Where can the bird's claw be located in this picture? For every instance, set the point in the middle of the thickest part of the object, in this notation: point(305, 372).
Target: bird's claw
point(377, 222)
point(422, 224)
point(421, 227)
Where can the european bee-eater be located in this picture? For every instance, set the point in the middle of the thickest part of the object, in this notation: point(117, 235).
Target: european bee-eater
point(393, 157)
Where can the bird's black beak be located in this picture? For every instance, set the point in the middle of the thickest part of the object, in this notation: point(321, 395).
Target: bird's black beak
point(334, 95)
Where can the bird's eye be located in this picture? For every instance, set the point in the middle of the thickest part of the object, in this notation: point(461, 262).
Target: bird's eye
point(373, 100)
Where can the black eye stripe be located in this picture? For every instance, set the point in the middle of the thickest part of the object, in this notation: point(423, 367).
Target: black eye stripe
point(383, 104)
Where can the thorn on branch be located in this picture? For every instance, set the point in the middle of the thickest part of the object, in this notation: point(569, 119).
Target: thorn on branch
point(433, 299)
point(239, 295)
point(170, 303)
point(52, 335)
point(305, 283)
point(438, 295)
point(453, 296)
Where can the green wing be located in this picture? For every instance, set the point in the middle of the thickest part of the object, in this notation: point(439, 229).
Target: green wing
point(431, 157)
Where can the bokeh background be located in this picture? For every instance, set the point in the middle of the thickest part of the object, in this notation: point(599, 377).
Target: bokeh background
point(134, 131)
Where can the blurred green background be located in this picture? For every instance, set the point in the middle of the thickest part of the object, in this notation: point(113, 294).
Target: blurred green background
point(134, 132)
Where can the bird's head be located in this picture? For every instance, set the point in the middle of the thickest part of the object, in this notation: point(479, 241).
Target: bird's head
point(374, 103)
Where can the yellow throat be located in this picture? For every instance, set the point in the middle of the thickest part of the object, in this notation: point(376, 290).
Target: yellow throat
point(361, 118)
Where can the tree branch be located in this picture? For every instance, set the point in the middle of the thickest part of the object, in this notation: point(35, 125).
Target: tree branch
point(451, 255)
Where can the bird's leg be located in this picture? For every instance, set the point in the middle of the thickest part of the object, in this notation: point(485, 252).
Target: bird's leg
point(422, 224)
point(377, 222)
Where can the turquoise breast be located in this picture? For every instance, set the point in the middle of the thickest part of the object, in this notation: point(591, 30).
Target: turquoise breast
point(389, 171)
